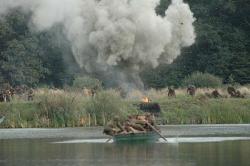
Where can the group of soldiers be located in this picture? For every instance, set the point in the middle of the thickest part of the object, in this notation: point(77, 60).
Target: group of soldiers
point(191, 90)
point(6, 95)
point(7, 92)
point(234, 93)
point(133, 124)
point(230, 90)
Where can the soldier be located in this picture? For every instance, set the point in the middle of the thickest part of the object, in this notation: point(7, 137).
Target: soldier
point(231, 91)
point(239, 95)
point(12, 92)
point(18, 90)
point(191, 90)
point(117, 123)
point(128, 127)
point(86, 92)
point(113, 127)
point(108, 130)
point(2, 98)
point(122, 92)
point(7, 94)
point(135, 124)
point(24, 88)
point(94, 90)
point(30, 95)
point(216, 94)
point(171, 92)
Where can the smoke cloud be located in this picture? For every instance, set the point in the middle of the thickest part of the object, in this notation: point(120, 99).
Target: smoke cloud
point(114, 38)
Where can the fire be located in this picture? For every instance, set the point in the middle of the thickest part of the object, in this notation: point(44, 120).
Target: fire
point(145, 100)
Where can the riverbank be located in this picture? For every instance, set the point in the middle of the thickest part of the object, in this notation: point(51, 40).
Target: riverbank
point(56, 109)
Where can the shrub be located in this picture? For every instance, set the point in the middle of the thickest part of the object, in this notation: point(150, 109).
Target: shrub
point(201, 80)
point(87, 82)
point(107, 104)
point(60, 109)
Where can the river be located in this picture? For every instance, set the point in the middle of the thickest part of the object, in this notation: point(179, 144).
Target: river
point(187, 145)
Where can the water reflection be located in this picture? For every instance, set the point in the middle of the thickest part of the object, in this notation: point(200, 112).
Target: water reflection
point(43, 152)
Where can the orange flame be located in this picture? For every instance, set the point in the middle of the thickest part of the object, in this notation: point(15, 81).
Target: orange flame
point(145, 100)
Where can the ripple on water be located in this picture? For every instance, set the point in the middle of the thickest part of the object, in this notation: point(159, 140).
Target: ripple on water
point(169, 140)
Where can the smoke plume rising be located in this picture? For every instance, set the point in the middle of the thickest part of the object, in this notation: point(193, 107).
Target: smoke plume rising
point(114, 38)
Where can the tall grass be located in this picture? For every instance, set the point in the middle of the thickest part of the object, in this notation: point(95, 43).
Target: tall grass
point(58, 108)
point(19, 115)
point(49, 109)
point(205, 111)
point(107, 104)
point(61, 110)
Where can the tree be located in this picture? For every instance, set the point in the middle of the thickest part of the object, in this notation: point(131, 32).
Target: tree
point(31, 58)
point(222, 46)
point(21, 63)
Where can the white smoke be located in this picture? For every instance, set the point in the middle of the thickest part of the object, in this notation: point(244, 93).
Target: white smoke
point(118, 37)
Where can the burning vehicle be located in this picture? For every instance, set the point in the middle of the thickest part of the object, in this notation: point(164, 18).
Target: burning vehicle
point(147, 105)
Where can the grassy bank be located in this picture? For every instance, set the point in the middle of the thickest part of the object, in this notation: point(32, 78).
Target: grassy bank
point(73, 109)
point(205, 111)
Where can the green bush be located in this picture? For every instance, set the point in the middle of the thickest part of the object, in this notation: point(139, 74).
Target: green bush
point(87, 82)
point(60, 110)
point(202, 80)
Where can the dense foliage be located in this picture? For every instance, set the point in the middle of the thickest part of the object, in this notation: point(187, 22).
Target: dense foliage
point(27, 57)
point(222, 45)
point(222, 48)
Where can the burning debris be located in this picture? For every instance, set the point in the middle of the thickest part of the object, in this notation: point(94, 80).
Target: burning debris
point(147, 105)
point(146, 100)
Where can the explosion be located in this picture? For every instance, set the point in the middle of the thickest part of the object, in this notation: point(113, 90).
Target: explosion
point(116, 39)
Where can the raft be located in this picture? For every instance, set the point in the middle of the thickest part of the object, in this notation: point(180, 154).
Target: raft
point(136, 137)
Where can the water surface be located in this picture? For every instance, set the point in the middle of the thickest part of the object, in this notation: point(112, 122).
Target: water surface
point(215, 146)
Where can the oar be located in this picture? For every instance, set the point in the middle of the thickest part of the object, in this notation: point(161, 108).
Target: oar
point(108, 140)
point(156, 131)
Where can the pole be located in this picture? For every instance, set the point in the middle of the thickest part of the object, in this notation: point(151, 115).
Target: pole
point(2, 119)
point(108, 140)
point(152, 127)
point(89, 118)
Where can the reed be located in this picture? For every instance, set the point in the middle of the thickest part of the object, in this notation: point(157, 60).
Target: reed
point(205, 111)
point(59, 108)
